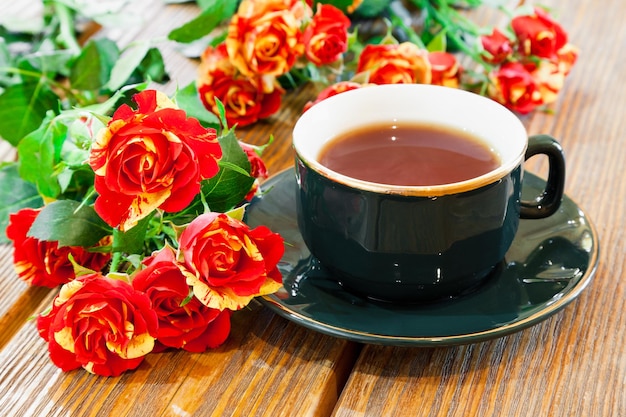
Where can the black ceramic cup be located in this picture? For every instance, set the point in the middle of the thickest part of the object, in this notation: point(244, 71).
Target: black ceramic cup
point(417, 243)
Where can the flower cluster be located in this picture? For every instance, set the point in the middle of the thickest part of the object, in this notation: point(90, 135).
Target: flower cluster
point(523, 66)
point(266, 39)
point(144, 264)
point(530, 67)
point(397, 63)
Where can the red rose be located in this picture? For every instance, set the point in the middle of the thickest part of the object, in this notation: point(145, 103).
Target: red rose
point(192, 326)
point(538, 34)
point(228, 264)
point(333, 90)
point(245, 99)
point(264, 36)
point(498, 47)
point(101, 324)
point(43, 263)
point(395, 64)
point(149, 158)
point(513, 86)
point(326, 37)
point(445, 69)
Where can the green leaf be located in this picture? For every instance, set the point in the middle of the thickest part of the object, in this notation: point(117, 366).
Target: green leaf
point(213, 13)
point(69, 223)
point(91, 69)
point(38, 154)
point(438, 43)
point(228, 188)
point(15, 194)
point(130, 59)
point(23, 108)
point(132, 241)
point(233, 167)
point(208, 4)
point(75, 182)
point(152, 67)
point(6, 61)
point(189, 100)
point(238, 212)
point(222, 114)
point(79, 270)
point(53, 63)
point(369, 8)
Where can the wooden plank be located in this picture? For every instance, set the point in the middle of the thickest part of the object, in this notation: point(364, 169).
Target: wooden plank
point(575, 362)
point(268, 365)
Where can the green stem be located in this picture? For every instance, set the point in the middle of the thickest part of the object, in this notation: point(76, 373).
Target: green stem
point(116, 259)
point(42, 79)
point(67, 28)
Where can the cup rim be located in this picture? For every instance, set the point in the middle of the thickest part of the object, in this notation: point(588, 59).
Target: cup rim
point(338, 101)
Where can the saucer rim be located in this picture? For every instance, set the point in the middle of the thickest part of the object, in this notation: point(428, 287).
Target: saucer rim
point(543, 313)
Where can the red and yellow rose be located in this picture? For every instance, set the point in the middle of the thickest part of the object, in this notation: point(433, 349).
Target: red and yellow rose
point(264, 37)
point(100, 324)
point(538, 34)
point(227, 263)
point(445, 69)
point(150, 158)
point(184, 322)
point(530, 69)
point(44, 263)
point(395, 64)
point(326, 36)
point(497, 46)
point(244, 98)
point(513, 86)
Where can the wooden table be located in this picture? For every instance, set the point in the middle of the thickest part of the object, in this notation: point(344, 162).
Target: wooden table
point(572, 364)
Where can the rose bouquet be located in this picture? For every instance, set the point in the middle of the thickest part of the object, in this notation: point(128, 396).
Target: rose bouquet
point(141, 226)
point(268, 46)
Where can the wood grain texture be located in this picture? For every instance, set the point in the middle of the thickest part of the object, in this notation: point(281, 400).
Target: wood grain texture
point(268, 366)
point(573, 364)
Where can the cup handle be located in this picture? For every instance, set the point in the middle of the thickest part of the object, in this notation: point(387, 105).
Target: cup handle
point(548, 202)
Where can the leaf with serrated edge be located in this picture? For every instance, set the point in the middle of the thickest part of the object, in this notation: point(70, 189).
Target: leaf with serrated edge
point(229, 186)
point(132, 240)
point(69, 223)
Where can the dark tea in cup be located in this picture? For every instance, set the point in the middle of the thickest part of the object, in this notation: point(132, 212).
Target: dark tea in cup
point(409, 154)
point(426, 220)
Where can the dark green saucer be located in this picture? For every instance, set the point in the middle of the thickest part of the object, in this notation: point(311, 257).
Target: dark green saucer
point(550, 262)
